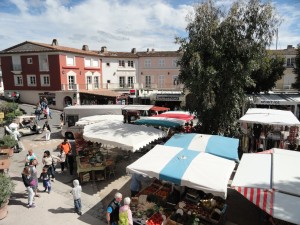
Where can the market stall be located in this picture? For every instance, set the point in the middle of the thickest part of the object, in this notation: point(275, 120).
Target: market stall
point(127, 137)
point(160, 121)
point(275, 188)
point(267, 128)
point(182, 115)
point(184, 162)
point(97, 118)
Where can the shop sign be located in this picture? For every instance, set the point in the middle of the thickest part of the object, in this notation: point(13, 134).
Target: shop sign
point(167, 97)
point(269, 102)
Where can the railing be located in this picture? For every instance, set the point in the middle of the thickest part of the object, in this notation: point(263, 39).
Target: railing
point(69, 87)
point(17, 68)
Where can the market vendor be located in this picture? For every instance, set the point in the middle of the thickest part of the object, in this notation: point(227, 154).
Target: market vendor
point(136, 184)
point(112, 212)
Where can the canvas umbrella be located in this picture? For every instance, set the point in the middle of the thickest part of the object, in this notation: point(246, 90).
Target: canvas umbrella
point(271, 181)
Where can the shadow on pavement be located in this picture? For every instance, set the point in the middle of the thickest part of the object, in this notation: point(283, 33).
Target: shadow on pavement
point(61, 210)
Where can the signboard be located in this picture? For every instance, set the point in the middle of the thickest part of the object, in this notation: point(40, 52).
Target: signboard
point(167, 97)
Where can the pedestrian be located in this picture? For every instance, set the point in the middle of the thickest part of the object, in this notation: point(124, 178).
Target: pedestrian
point(136, 184)
point(112, 212)
point(46, 180)
point(48, 161)
point(29, 157)
point(38, 111)
point(125, 214)
point(66, 147)
point(33, 174)
point(47, 128)
point(76, 192)
point(62, 157)
point(46, 112)
point(29, 183)
point(61, 120)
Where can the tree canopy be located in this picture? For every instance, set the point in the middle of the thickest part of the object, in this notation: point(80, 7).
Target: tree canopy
point(219, 55)
point(297, 69)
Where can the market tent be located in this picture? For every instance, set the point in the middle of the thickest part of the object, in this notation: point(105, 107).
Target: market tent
point(217, 145)
point(137, 107)
point(160, 121)
point(177, 115)
point(97, 118)
point(159, 108)
point(194, 169)
point(125, 136)
point(272, 182)
point(270, 116)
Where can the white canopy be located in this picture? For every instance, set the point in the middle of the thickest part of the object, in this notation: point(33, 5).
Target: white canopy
point(97, 118)
point(271, 181)
point(270, 116)
point(125, 136)
point(194, 169)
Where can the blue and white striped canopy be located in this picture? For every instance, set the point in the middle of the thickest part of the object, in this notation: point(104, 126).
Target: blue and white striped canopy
point(216, 145)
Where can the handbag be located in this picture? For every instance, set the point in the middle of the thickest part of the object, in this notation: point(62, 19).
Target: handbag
point(32, 183)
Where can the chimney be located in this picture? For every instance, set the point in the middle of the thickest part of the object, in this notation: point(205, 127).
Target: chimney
point(103, 49)
point(290, 47)
point(153, 49)
point(85, 48)
point(147, 49)
point(133, 50)
point(54, 42)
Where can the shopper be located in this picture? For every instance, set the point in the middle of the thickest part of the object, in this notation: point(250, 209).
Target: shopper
point(125, 214)
point(136, 184)
point(66, 147)
point(76, 192)
point(29, 183)
point(62, 157)
point(45, 177)
point(112, 212)
point(29, 157)
point(33, 174)
point(47, 128)
point(48, 161)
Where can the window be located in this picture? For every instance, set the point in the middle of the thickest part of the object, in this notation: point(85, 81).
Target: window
point(122, 82)
point(31, 80)
point(130, 82)
point(71, 82)
point(18, 80)
point(121, 63)
point(95, 63)
point(43, 63)
point(161, 62)
point(161, 81)
point(290, 62)
point(107, 64)
point(130, 64)
point(96, 82)
point(89, 79)
point(29, 60)
point(16, 63)
point(175, 80)
point(148, 81)
point(45, 80)
point(147, 63)
point(91, 62)
point(87, 62)
point(70, 60)
point(174, 63)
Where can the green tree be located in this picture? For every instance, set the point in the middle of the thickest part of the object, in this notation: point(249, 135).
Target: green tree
point(270, 70)
point(219, 55)
point(296, 85)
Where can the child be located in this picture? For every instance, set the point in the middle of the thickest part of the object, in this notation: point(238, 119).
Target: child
point(46, 180)
point(62, 157)
point(76, 191)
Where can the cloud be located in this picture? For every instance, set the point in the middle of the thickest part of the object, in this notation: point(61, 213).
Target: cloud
point(118, 24)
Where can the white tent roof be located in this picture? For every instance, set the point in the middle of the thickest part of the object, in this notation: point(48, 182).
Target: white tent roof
point(98, 118)
point(276, 176)
point(125, 136)
point(194, 169)
point(270, 116)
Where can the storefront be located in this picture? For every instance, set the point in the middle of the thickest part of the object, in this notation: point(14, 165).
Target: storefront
point(170, 100)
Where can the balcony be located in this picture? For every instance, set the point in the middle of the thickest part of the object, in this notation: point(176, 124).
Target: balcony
point(118, 86)
point(69, 87)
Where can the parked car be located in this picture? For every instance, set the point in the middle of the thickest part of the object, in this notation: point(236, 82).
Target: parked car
point(27, 125)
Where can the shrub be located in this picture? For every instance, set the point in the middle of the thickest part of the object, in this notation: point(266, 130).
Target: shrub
point(7, 186)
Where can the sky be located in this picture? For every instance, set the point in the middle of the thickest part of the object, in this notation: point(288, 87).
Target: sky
point(120, 25)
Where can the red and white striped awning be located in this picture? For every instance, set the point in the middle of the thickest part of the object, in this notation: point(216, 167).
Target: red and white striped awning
point(263, 198)
point(271, 181)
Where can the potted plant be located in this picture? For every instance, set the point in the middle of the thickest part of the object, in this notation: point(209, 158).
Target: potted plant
point(8, 142)
point(7, 186)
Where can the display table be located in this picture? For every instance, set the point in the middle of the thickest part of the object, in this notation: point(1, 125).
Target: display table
point(90, 172)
